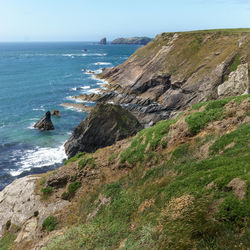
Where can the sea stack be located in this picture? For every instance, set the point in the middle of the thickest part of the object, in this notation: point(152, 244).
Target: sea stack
point(103, 41)
point(45, 123)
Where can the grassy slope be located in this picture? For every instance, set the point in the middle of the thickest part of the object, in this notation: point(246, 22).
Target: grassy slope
point(190, 49)
point(164, 201)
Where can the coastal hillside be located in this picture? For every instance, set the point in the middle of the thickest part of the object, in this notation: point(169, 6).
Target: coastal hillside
point(180, 184)
point(176, 70)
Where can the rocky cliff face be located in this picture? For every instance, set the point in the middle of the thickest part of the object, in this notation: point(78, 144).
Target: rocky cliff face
point(105, 125)
point(176, 70)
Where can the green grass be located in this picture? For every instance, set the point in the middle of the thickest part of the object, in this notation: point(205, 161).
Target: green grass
point(87, 160)
point(74, 158)
point(146, 210)
point(49, 224)
point(149, 139)
point(214, 111)
point(47, 191)
point(7, 241)
point(72, 188)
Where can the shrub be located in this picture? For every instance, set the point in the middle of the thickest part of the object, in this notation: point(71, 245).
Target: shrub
point(49, 224)
point(232, 210)
point(65, 195)
point(73, 187)
point(83, 162)
point(47, 191)
point(74, 158)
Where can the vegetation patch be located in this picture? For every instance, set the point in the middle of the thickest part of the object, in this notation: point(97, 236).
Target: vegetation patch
point(240, 137)
point(72, 188)
point(86, 161)
point(213, 112)
point(49, 224)
point(7, 241)
point(146, 142)
point(74, 158)
point(47, 191)
point(168, 206)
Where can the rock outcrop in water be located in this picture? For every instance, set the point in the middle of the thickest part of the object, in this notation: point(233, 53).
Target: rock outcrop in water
point(103, 41)
point(132, 40)
point(56, 113)
point(45, 123)
point(105, 125)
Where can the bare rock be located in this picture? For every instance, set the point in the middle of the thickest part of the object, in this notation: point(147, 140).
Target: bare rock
point(239, 187)
point(45, 123)
point(19, 203)
point(103, 41)
point(56, 113)
point(58, 180)
point(237, 83)
point(105, 125)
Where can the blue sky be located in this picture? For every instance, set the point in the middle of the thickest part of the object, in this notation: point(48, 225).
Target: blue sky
point(90, 20)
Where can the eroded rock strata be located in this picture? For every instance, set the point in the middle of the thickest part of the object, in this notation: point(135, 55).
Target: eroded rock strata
point(176, 70)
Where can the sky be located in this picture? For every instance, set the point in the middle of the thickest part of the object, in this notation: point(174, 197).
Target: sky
point(91, 20)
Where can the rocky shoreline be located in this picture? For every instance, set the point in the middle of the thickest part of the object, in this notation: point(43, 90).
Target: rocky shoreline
point(160, 80)
point(154, 84)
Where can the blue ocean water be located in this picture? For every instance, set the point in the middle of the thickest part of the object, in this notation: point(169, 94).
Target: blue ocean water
point(35, 78)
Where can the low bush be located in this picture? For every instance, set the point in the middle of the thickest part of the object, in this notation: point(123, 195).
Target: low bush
point(49, 224)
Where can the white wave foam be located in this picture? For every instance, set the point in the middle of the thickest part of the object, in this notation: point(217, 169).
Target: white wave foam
point(70, 98)
point(31, 126)
point(85, 87)
point(73, 109)
point(91, 72)
point(73, 55)
point(95, 54)
point(38, 158)
point(74, 89)
point(102, 63)
point(99, 54)
point(38, 109)
point(94, 91)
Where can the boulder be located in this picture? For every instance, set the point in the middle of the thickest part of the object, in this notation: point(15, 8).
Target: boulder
point(56, 113)
point(103, 40)
point(237, 83)
point(45, 123)
point(105, 125)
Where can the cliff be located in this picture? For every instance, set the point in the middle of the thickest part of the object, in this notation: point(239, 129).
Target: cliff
point(176, 70)
point(132, 40)
point(182, 183)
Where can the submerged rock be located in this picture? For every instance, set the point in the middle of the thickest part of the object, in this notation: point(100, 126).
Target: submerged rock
point(105, 125)
point(45, 123)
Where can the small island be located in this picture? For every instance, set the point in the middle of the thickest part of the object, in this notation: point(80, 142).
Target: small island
point(132, 40)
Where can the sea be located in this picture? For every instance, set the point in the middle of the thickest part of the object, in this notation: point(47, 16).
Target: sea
point(35, 78)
